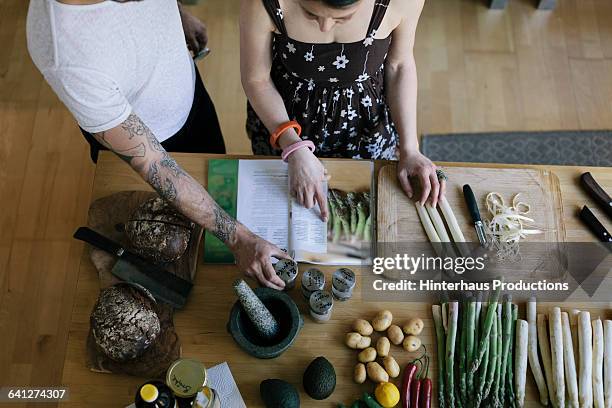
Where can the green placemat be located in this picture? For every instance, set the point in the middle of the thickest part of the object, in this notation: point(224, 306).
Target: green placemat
point(223, 188)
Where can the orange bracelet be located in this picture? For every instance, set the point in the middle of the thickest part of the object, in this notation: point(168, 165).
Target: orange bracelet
point(282, 129)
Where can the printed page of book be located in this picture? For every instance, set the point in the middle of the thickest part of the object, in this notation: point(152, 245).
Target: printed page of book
point(263, 199)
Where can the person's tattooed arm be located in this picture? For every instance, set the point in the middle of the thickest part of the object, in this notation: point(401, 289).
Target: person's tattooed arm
point(135, 144)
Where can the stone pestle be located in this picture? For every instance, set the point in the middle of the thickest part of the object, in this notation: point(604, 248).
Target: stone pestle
point(265, 324)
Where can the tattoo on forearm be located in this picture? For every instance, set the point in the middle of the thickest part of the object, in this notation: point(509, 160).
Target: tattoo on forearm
point(171, 164)
point(225, 226)
point(163, 185)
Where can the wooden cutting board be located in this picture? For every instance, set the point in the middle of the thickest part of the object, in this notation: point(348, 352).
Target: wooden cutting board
point(398, 220)
point(107, 213)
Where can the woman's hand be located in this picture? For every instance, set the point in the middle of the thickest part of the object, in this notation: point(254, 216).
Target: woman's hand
point(195, 31)
point(306, 177)
point(253, 256)
point(417, 165)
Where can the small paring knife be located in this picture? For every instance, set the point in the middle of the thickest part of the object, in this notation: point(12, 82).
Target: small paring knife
point(472, 205)
point(165, 286)
point(597, 192)
point(596, 227)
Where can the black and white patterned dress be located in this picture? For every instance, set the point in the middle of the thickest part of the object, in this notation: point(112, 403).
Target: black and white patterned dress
point(335, 91)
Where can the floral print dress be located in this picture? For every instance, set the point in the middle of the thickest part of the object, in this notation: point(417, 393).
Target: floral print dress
point(334, 91)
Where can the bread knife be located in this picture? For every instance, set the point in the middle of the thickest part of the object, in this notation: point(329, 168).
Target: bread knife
point(164, 285)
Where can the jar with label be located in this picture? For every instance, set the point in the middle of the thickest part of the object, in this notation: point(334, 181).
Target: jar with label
point(187, 379)
point(321, 304)
point(287, 270)
point(343, 282)
point(312, 280)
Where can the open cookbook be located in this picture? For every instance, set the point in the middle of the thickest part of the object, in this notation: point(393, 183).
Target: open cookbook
point(256, 193)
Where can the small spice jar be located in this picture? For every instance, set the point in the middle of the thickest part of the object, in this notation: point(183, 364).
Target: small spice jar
point(287, 270)
point(188, 379)
point(343, 282)
point(312, 280)
point(321, 304)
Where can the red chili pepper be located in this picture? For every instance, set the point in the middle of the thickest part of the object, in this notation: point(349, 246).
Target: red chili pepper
point(409, 372)
point(426, 387)
point(415, 393)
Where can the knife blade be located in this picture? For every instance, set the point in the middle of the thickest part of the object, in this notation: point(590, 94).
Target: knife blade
point(153, 272)
point(472, 205)
point(596, 227)
point(597, 192)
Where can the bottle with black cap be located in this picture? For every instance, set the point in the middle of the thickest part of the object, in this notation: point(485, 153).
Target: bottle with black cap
point(154, 394)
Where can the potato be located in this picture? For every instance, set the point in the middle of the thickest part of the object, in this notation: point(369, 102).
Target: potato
point(367, 355)
point(414, 326)
point(382, 320)
point(391, 367)
point(395, 334)
point(376, 373)
point(360, 373)
point(362, 327)
point(412, 343)
point(357, 341)
point(382, 346)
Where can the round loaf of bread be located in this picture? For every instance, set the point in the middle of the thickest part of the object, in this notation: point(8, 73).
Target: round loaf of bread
point(158, 232)
point(123, 322)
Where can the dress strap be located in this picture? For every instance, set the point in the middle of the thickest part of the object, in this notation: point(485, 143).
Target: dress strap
point(380, 9)
point(276, 14)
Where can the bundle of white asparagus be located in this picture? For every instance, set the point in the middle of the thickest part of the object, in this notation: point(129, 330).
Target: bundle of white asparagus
point(434, 225)
point(574, 365)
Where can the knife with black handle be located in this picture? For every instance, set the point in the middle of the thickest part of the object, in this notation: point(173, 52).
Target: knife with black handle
point(594, 225)
point(155, 272)
point(472, 205)
point(597, 192)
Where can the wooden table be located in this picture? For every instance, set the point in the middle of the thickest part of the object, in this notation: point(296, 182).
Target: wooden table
point(201, 325)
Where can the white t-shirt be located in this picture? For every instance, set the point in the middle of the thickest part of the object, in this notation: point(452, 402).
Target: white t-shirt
point(109, 59)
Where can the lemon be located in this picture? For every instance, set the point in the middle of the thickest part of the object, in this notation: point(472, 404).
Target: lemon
point(387, 394)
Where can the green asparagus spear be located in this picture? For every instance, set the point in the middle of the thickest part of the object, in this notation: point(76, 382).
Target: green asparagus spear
point(462, 353)
point(469, 344)
point(490, 375)
point(496, 384)
point(453, 315)
point(486, 330)
point(506, 335)
point(481, 374)
point(440, 343)
point(511, 393)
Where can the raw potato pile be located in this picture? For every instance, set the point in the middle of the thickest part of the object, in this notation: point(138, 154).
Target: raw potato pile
point(360, 339)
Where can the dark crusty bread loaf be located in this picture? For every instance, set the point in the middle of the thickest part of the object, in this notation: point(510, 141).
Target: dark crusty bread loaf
point(123, 322)
point(158, 232)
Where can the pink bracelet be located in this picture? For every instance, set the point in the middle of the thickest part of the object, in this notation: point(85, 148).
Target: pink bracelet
point(298, 145)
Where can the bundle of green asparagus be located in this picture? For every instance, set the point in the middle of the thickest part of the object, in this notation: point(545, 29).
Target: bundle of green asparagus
point(476, 352)
point(350, 217)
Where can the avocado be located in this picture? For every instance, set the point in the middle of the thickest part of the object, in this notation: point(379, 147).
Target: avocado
point(279, 394)
point(319, 379)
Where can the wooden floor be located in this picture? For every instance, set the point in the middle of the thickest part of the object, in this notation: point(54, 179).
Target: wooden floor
point(479, 70)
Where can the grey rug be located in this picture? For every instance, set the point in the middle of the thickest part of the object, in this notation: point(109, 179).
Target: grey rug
point(577, 148)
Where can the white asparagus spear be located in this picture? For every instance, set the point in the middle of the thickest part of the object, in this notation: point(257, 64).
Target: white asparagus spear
point(534, 360)
point(608, 363)
point(437, 222)
point(427, 224)
point(573, 315)
point(585, 372)
point(545, 352)
point(571, 378)
point(598, 355)
point(451, 220)
point(556, 356)
point(520, 360)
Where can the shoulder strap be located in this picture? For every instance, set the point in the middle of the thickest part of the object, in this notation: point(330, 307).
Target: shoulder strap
point(380, 9)
point(276, 14)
